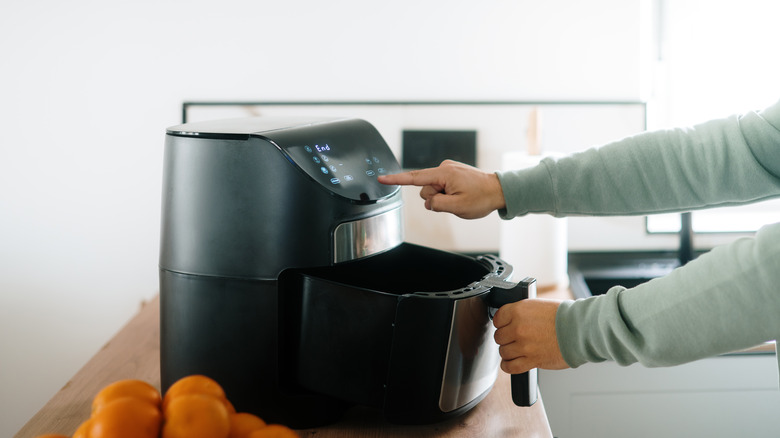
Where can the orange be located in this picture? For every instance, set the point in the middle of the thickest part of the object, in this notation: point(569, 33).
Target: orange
point(126, 417)
point(194, 384)
point(231, 409)
point(241, 424)
point(274, 431)
point(196, 416)
point(82, 431)
point(126, 388)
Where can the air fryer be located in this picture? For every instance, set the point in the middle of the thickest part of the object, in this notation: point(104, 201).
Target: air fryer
point(285, 277)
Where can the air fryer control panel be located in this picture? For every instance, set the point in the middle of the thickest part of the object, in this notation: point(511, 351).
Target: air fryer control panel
point(345, 156)
point(347, 169)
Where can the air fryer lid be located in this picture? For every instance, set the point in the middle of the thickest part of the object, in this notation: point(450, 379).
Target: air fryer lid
point(342, 155)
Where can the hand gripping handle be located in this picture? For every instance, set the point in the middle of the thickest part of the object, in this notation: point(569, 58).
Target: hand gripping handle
point(524, 385)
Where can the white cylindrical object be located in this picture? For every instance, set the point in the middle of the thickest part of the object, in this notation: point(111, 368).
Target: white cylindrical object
point(535, 245)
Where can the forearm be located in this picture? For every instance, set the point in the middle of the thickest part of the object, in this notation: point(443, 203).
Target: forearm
point(725, 300)
point(722, 162)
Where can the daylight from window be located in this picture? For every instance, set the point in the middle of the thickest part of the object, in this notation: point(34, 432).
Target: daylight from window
point(714, 59)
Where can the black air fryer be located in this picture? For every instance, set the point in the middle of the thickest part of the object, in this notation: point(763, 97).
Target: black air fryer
point(285, 277)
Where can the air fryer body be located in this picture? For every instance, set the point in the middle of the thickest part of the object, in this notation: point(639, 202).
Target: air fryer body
point(284, 276)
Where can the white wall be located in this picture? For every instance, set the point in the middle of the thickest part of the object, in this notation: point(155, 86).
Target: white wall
point(88, 87)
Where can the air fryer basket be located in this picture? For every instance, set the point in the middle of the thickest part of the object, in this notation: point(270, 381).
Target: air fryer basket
point(376, 332)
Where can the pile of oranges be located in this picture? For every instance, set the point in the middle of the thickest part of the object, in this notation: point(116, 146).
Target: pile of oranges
point(193, 407)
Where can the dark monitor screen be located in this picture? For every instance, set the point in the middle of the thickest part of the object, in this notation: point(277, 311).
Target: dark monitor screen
point(422, 149)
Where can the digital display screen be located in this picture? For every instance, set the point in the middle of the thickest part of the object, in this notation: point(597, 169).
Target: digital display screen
point(348, 167)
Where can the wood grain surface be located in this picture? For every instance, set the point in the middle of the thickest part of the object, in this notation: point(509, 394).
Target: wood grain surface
point(135, 353)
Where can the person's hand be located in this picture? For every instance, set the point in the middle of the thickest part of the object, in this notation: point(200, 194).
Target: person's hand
point(525, 333)
point(454, 187)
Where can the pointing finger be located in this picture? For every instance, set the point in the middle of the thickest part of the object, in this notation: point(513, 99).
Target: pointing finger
point(420, 178)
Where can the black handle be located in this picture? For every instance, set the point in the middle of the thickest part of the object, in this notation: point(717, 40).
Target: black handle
point(524, 388)
point(524, 385)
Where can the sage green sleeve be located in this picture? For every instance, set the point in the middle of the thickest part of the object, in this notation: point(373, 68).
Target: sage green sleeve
point(726, 299)
point(722, 162)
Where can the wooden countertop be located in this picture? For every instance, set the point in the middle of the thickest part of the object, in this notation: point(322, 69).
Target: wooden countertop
point(135, 353)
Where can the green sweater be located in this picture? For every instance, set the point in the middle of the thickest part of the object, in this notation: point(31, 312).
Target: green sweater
point(728, 298)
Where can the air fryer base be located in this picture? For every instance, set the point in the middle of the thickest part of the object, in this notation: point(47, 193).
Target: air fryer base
point(222, 328)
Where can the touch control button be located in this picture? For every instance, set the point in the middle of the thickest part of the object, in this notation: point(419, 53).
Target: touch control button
point(370, 173)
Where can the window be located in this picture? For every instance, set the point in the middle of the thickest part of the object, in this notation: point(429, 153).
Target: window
point(715, 58)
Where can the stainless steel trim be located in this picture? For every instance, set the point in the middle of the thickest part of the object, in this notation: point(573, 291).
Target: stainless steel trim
point(363, 237)
point(471, 364)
